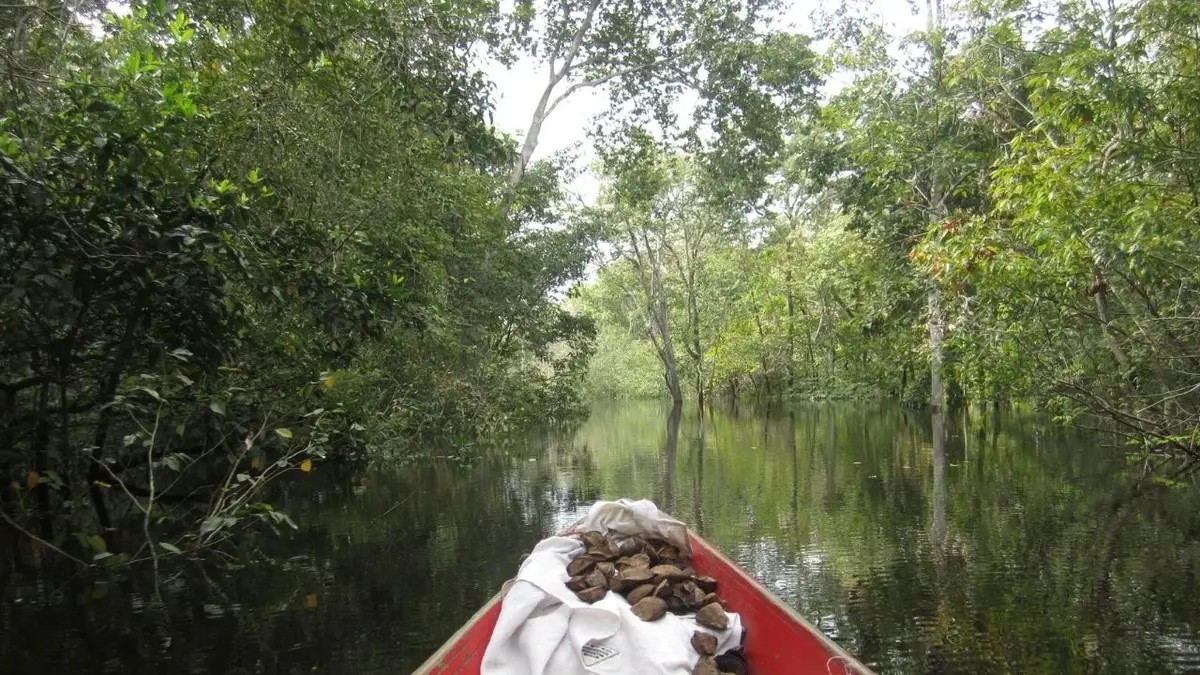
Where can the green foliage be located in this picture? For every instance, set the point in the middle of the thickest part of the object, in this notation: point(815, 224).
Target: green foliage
point(1005, 199)
point(248, 240)
point(623, 367)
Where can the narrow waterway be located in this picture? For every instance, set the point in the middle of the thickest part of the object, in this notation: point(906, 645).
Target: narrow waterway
point(975, 544)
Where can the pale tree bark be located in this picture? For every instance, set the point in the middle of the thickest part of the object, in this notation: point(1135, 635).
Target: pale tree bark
point(695, 229)
point(647, 263)
point(791, 316)
point(546, 103)
point(937, 210)
point(1099, 290)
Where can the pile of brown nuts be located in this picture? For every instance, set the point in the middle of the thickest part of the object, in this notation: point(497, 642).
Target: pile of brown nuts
point(656, 578)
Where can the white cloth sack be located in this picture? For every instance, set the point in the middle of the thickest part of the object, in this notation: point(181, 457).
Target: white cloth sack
point(544, 629)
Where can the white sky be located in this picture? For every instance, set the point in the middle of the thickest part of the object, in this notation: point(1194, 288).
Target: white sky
point(518, 89)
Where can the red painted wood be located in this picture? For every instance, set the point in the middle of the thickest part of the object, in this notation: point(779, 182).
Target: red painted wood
point(463, 653)
point(778, 641)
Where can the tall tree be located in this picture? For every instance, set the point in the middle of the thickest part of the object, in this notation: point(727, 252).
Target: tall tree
point(646, 54)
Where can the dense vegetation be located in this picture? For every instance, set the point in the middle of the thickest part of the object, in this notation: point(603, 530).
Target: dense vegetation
point(244, 239)
point(239, 244)
point(1001, 206)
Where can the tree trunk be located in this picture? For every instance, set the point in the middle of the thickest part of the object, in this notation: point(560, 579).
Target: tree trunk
point(791, 317)
point(694, 349)
point(937, 334)
point(937, 212)
point(670, 365)
point(648, 265)
point(545, 107)
point(1099, 290)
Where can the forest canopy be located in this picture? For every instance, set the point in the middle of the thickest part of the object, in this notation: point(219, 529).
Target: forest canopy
point(244, 241)
point(1001, 206)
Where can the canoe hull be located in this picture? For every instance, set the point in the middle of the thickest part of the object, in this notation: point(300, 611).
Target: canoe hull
point(778, 640)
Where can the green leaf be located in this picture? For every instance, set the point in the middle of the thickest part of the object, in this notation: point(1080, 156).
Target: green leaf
point(171, 548)
point(96, 543)
point(285, 432)
point(217, 406)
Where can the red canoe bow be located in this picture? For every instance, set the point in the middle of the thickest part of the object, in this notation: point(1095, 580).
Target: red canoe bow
point(778, 640)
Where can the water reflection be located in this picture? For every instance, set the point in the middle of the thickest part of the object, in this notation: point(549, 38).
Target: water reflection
point(671, 450)
point(932, 549)
point(698, 485)
point(938, 441)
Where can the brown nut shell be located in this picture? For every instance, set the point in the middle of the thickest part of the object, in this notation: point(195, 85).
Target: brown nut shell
point(712, 616)
point(706, 666)
point(580, 565)
point(643, 591)
point(705, 644)
point(650, 609)
point(590, 595)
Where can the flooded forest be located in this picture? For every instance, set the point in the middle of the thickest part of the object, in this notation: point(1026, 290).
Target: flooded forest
point(306, 336)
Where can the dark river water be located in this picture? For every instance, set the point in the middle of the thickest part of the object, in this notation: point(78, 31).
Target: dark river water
point(1005, 546)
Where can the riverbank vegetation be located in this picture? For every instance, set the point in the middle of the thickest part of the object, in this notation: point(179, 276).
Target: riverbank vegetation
point(243, 241)
point(1000, 206)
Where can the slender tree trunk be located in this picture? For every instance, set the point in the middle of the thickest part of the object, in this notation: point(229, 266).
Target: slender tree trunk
point(545, 107)
point(695, 349)
point(1099, 290)
point(791, 317)
point(937, 212)
point(648, 264)
point(698, 485)
point(937, 334)
point(670, 364)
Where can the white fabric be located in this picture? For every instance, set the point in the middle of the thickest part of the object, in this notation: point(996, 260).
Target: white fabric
point(543, 628)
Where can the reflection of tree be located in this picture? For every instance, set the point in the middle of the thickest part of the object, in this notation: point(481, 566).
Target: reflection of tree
point(698, 486)
point(831, 460)
point(402, 562)
point(789, 440)
point(671, 450)
point(938, 531)
point(994, 565)
point(1016, 561)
